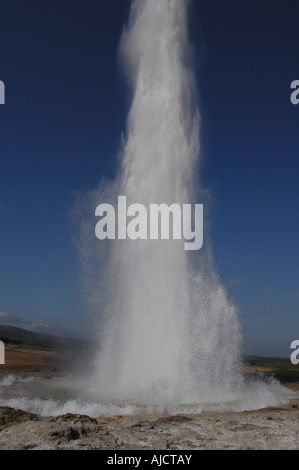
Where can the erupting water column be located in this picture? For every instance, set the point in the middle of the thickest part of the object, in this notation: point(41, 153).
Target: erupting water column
point(168, 334)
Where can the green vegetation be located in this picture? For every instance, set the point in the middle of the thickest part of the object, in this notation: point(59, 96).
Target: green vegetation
point(277, 363)
point(17, 343)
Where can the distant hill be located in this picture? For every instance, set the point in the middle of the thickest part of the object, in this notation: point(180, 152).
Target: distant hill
point(13, 333)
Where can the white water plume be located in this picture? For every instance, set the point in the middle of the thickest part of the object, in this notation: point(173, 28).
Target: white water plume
point(167, 333)
point(167, 330)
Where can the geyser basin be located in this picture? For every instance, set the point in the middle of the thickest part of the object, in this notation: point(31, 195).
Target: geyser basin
point(59, 395)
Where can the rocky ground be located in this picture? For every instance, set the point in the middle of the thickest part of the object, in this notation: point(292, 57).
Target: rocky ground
point(269, 428)
point(264, 429)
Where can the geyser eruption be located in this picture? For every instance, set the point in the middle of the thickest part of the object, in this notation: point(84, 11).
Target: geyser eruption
point(168, 339)
point(168, 333)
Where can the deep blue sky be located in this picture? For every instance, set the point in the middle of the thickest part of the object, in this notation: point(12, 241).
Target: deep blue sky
point(66, 105)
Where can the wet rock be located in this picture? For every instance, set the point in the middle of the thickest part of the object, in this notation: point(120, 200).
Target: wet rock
point(9, 416)
point(65, 432)
point(71, 427)
point(76, 418)
point(177, 419)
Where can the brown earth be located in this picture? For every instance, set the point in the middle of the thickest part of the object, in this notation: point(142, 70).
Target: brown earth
point(30, 361)
point(18, 358)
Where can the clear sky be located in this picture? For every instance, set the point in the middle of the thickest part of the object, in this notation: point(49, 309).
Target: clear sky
point(60, 132)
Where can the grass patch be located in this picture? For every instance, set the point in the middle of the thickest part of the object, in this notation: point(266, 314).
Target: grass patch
point(18, 344)
point(276, 363)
